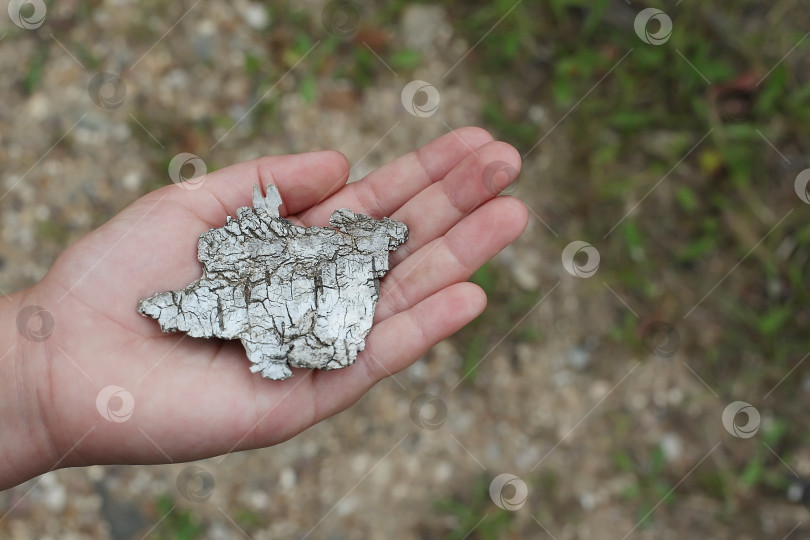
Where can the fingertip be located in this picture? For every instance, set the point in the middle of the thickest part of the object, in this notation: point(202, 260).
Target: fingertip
point(482, 176)
point(441, 155)
point(469, 300)
point(339, 162)
point(517, 211)
point(337, 168)
point(504, 151)
point(473, 135)
point(478, 300)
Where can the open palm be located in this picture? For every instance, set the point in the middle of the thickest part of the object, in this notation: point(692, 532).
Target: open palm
point(182, 398)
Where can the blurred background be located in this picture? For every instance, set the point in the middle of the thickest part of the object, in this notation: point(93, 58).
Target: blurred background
point(640, 369)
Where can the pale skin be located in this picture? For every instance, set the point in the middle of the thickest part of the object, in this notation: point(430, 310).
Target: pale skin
point(196, 398)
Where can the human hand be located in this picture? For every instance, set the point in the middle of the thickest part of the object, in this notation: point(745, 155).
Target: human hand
point(195, 398)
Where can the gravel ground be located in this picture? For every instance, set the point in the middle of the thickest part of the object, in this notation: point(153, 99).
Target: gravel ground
point(549, 412)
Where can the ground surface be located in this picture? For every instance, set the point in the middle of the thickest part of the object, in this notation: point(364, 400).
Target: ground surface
point(674, 156)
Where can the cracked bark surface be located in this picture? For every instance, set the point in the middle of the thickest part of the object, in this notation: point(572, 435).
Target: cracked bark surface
point(294, 296)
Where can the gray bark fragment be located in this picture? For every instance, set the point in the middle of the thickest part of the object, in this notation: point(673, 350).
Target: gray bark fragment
point(294, 296)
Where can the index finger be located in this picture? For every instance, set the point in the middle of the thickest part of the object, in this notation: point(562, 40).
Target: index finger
point(383, 191)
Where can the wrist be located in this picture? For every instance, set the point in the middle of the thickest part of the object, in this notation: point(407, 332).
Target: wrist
point(25, 444)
